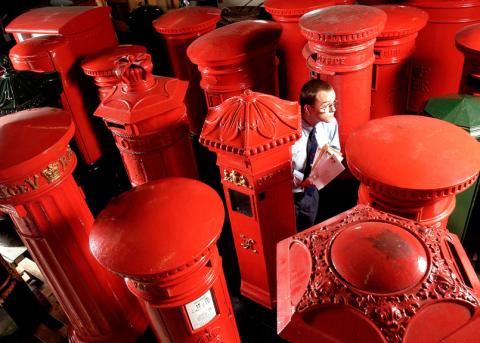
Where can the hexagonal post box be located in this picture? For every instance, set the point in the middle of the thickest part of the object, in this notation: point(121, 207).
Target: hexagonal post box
point(468, 42)
point(147, 118)
point(179, 28)
point(39, 193)
point(368, 276)
point(236, 57)
point(392, 67)
point(436, 64)
point(165, 249)
point(413, 166)
point(340, 51)
point(252, 134)
point(101, 66)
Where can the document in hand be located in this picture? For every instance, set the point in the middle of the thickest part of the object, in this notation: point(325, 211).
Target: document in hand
point(326, 165)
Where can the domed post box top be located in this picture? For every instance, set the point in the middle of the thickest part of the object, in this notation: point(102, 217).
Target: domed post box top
point(468, 39)
point(251, 123)
point(401, 21)
point(413, 157)
point(294, 9)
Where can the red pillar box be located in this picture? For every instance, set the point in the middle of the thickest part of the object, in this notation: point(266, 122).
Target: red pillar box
point(50, 214)
point(413, 166)
point(392, 67)
point(147, 118)
point(176, 271)
point(236, 57)
point(252, 134)
point(101, 66)
point(369, 277)
point(436, 64)
point(468, 42)
point(340, 51)
point(179, 28)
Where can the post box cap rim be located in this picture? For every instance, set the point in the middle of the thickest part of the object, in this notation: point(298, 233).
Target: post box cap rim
point(467, 39)
point(402, 20)
point(37, 47)
point(292, 8)
point(102, 62)
point(443, 4)
point(187, 20)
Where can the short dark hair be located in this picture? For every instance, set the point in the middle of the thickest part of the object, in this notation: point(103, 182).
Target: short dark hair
point(310, 90)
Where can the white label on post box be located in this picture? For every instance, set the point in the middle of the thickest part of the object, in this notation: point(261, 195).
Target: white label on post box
point(201, 311)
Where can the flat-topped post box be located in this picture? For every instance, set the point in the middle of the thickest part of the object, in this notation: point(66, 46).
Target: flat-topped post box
point(252, 135)
point(413, 166)
point(165, 249)
point(101, 66)
point(39, 193)
point(340, 51)
point(371, 277)
point(147, 118)
point(236, 57)
point(436, 64)
point(392, 67)
point(179, 28)
point(468, 42)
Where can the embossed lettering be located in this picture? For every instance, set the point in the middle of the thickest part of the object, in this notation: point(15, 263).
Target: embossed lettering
point(331, 60)
point(32, 183)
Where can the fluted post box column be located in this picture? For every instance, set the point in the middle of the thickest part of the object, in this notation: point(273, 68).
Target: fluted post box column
point(252, 134)
point(236, 57)
point(39, 193)
point(468, 42)
point(340, 51)
point(179, 28)
point(371, 277)
point(413, 166)
point(164, 247)
point(392, 67)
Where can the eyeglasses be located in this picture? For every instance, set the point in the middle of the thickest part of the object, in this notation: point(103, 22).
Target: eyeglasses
point(328, 106)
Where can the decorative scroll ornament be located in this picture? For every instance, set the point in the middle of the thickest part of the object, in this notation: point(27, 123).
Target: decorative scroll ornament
point(235, 177)
point(212, 336)
point(248, 243)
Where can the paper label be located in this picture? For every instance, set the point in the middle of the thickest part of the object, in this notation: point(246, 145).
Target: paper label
point(201, 311)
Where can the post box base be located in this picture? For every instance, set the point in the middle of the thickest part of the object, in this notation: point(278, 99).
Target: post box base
point(258, 295)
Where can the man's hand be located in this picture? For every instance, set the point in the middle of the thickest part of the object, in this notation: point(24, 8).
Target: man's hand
point(306, 183)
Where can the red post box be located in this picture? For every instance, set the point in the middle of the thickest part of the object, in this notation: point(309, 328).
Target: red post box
point(340, 51)
point(236, 57)
point(147, 118)
point(370, 277)
point(179, 28)
point(392, 67)
point(468, 42)
point(292, 71)
point(252, 134)
point(413, 166)
point(50, 214)
point(175, 271)
point(436, 64)
point(101, 66)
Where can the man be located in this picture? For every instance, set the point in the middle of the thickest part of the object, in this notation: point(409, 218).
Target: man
point(319, 127)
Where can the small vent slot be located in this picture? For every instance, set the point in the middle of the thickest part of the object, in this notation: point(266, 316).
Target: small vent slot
point(115, 125)
point(459, 264)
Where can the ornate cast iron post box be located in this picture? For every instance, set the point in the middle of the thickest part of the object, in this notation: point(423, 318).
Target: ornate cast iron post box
point(39, 193)
point(340, 50)
point(413, 166)
point(101, 66)
point(370, 277)
point(165, 249)
point(236, 57)
point(468, 42)
point(179, 28)
point(392, 67)
point(147, 118)
point(252, 134)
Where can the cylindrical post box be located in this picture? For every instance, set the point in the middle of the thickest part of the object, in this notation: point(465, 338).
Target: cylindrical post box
point(392, 67)
point(147, 118)
point(101, 66)
point(236, 57)
point(340, 51)
point(436, 64)
point(413, 166)
point(176, 271)
point(468, 42)
point(179, 28)
point(39, 193)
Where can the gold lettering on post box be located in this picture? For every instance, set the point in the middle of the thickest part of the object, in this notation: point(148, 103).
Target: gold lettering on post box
point(7, 191)
point(235, 177)
point(52, 172)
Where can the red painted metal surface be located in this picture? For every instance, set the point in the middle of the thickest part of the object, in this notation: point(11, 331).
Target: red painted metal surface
point(436, 64)
point(176, 270)
point(468, 42)
point(252, 134)
point(179, 28)
point(340, 51)
point(147, 118)
point(368, 276)
point(101, 66)
point(413, 166)
point(392, 67)
point(39, 193)
point(236, 57)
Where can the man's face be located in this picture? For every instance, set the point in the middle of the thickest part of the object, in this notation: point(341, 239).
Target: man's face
point(323, 110)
